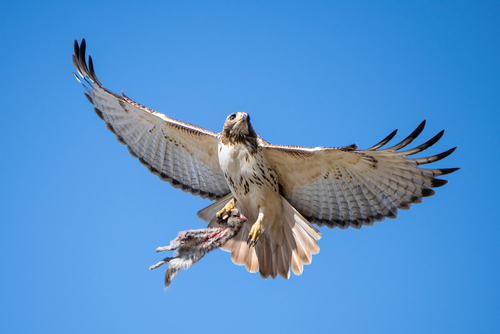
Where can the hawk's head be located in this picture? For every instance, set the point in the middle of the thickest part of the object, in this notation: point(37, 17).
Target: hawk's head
point(237, 128)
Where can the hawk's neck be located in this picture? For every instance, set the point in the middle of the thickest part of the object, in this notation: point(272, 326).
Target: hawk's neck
point(250, 142)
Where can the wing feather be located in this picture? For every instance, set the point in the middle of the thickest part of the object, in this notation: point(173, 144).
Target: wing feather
point(343, 186)
point(179, 153)
point(434, 158)
point(383, 142)
point(424, 146)
point(405, 142)
point(352, 205)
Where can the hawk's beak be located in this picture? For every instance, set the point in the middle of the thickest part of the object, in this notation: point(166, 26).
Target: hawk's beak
point(243, 118)
point(240, 125)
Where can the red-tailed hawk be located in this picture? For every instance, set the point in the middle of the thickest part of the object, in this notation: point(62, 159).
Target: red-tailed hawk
point(282, 190)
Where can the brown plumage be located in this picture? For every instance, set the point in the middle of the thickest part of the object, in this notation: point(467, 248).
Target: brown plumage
point(282, 190)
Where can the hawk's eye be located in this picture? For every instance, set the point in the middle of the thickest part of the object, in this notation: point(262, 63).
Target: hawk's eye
point(232, 117)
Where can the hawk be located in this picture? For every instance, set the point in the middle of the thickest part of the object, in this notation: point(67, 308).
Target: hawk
point(281, 190)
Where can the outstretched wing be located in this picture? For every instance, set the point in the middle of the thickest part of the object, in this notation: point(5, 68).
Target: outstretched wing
point(179, 153)
point(342, 186)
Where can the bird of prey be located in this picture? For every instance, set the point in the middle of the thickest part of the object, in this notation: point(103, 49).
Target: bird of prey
point(282, 190)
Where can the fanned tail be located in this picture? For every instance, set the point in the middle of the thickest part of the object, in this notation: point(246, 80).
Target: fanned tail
point(299, 242)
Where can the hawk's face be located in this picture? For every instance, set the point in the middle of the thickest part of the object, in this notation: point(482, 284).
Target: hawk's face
point(237, 124)
point(237, 129)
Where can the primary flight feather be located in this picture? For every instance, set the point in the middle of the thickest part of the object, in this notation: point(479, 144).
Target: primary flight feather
point(282, 190)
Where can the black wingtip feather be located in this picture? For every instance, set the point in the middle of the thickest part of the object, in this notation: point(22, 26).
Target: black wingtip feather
point(76, 48)
point(425, 145)
point(427, 192)
point(92, 72)
point(77, 67)
point(435, 183)
point(81, 64)
point(81, 56)
point(434, 158)
point(445, 171)
point(383, 141)
point(91, 65)
point(408, 139)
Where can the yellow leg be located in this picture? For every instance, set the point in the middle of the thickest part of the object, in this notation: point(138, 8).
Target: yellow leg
point(226, 209)
point(254, 234)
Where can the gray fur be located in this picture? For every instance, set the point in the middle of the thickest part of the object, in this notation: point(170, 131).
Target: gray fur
point(192, 245)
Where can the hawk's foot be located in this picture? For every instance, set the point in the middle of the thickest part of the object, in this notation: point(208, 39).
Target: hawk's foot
point(254, 234)
point(224, 212)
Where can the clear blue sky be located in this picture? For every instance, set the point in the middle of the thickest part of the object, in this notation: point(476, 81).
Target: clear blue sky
point(81, 218)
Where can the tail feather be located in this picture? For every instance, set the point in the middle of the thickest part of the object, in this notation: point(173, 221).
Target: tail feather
point(302, 244)
point(240, 249)
point(303, 254)
point(275, 254)
point(264, 256)
point(297, 266)
point(252, 263)
point(306, 226)
point(284, 262)
point(308, 243)
point(295, 263)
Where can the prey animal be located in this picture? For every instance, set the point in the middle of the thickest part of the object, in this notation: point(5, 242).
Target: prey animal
point(282, 190)
point(192, 245)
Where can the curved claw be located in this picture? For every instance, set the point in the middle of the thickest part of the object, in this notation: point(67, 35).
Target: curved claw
point(253, 236)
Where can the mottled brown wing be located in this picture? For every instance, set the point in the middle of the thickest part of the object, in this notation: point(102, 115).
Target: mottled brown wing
point(179, 153)
point(343, 186)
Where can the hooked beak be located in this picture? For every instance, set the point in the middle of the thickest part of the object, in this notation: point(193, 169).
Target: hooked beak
point(243, 118)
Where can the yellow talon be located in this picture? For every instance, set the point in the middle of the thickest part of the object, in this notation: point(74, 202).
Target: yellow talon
point(254, 234)
point(226, 209)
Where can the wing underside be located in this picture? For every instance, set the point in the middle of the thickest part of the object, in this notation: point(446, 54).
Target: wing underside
point(179, 153)
point(343, 186)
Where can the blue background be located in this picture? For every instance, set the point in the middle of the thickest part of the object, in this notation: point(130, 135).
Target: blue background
point(80, 219)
